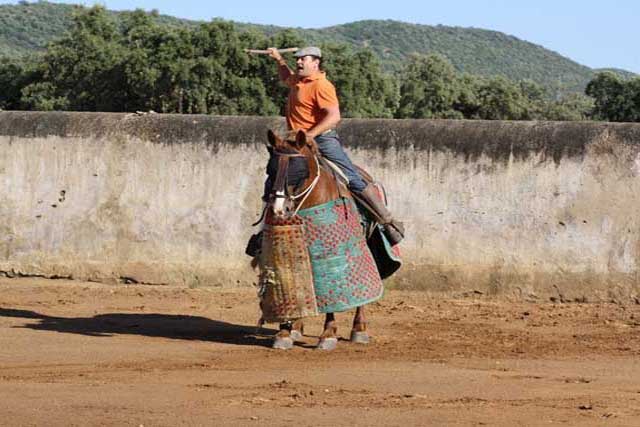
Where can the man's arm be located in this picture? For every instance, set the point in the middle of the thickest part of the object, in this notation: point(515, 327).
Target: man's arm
point(329, 121)
point(283, 69)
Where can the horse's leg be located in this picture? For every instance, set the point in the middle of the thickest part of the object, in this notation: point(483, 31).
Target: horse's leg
point(297, 330)
point(329, 338)
point(359, 333)
point(283, 340)
point(288, 334)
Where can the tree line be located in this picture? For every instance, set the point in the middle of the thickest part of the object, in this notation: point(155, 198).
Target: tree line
point(137, 65)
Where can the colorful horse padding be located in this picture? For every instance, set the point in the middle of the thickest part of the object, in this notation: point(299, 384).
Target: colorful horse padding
point(328, 242)
point(286, 282)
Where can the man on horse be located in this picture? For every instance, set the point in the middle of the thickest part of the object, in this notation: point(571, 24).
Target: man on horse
point(313, 107)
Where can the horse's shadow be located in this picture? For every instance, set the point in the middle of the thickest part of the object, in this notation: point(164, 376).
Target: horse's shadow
point(152, 325)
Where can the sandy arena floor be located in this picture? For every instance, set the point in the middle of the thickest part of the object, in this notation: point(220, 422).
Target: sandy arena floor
point(74, 353)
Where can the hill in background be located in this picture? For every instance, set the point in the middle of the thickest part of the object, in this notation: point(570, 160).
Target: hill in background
point(28, 27)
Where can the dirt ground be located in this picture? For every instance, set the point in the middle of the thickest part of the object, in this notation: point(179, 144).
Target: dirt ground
point(75, 353)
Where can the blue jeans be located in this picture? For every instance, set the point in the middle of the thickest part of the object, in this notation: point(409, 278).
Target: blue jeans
point(330, 147)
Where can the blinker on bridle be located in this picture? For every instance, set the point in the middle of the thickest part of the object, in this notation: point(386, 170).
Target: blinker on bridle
point(280, 193)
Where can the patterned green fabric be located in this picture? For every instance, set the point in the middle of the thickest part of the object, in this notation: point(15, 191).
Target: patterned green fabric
point(345, 275)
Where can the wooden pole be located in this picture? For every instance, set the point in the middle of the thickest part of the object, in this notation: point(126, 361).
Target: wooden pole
point(266, 52)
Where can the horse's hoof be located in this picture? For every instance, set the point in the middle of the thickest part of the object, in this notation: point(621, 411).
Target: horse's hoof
point(282, 343)
point(296, 336)
point(327, 344)
point(359, 337)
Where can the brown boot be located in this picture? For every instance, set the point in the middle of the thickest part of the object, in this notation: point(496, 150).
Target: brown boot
point(393, 229)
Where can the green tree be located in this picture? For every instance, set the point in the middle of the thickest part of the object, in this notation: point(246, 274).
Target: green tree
point(536, 100)
point(13, 76)
point(143, 66)
point(429, 89)
point(615, 100)
point(633, 95)
point(224, 79)
point(468, 102)
point(502, 99)
point(80, 71)
point(147, 51)
point(363, 90)
point(570, 107)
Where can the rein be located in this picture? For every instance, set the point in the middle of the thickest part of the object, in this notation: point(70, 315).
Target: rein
point(309, 189)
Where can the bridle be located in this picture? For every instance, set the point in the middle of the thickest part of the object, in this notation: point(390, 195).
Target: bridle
point(280, 192)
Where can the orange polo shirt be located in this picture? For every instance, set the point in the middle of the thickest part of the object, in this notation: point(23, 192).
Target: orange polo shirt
point(307, 97)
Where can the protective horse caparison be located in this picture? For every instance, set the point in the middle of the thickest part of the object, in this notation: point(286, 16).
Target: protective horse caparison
point(344, 273)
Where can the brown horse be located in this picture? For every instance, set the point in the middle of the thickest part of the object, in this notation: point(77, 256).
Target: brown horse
point(289, 193)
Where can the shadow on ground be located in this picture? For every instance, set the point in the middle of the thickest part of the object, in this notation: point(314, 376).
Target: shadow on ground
point(152, 325)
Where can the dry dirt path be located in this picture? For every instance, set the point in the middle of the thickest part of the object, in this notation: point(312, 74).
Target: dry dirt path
point(74, 353)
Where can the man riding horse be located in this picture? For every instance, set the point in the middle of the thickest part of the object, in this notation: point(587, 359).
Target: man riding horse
point(324, 235)
point(313, 107)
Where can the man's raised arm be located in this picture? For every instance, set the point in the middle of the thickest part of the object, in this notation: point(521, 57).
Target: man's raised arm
point(283, 69)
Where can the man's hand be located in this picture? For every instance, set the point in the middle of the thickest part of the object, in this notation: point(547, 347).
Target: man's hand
point(310, 137)
point(330, 121)
point(273, 52)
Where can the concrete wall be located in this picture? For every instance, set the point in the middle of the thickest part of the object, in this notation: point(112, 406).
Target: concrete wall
point(524, 209)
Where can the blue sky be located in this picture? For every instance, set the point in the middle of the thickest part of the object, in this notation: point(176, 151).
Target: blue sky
point(594, 33)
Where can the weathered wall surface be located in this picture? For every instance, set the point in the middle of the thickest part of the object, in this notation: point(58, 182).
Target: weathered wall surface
point(523, 209)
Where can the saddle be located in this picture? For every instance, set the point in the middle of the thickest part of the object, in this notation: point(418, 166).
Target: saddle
point(343, 182)
point(386, 256)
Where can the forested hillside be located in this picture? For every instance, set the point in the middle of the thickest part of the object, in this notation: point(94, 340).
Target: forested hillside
point(28, 27)
point(137, 61)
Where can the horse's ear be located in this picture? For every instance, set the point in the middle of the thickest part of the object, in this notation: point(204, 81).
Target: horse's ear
point(301, 139)
point(273, 139)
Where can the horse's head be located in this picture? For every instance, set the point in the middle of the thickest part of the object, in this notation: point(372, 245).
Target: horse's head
point(292, 170)
point(293, 141)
